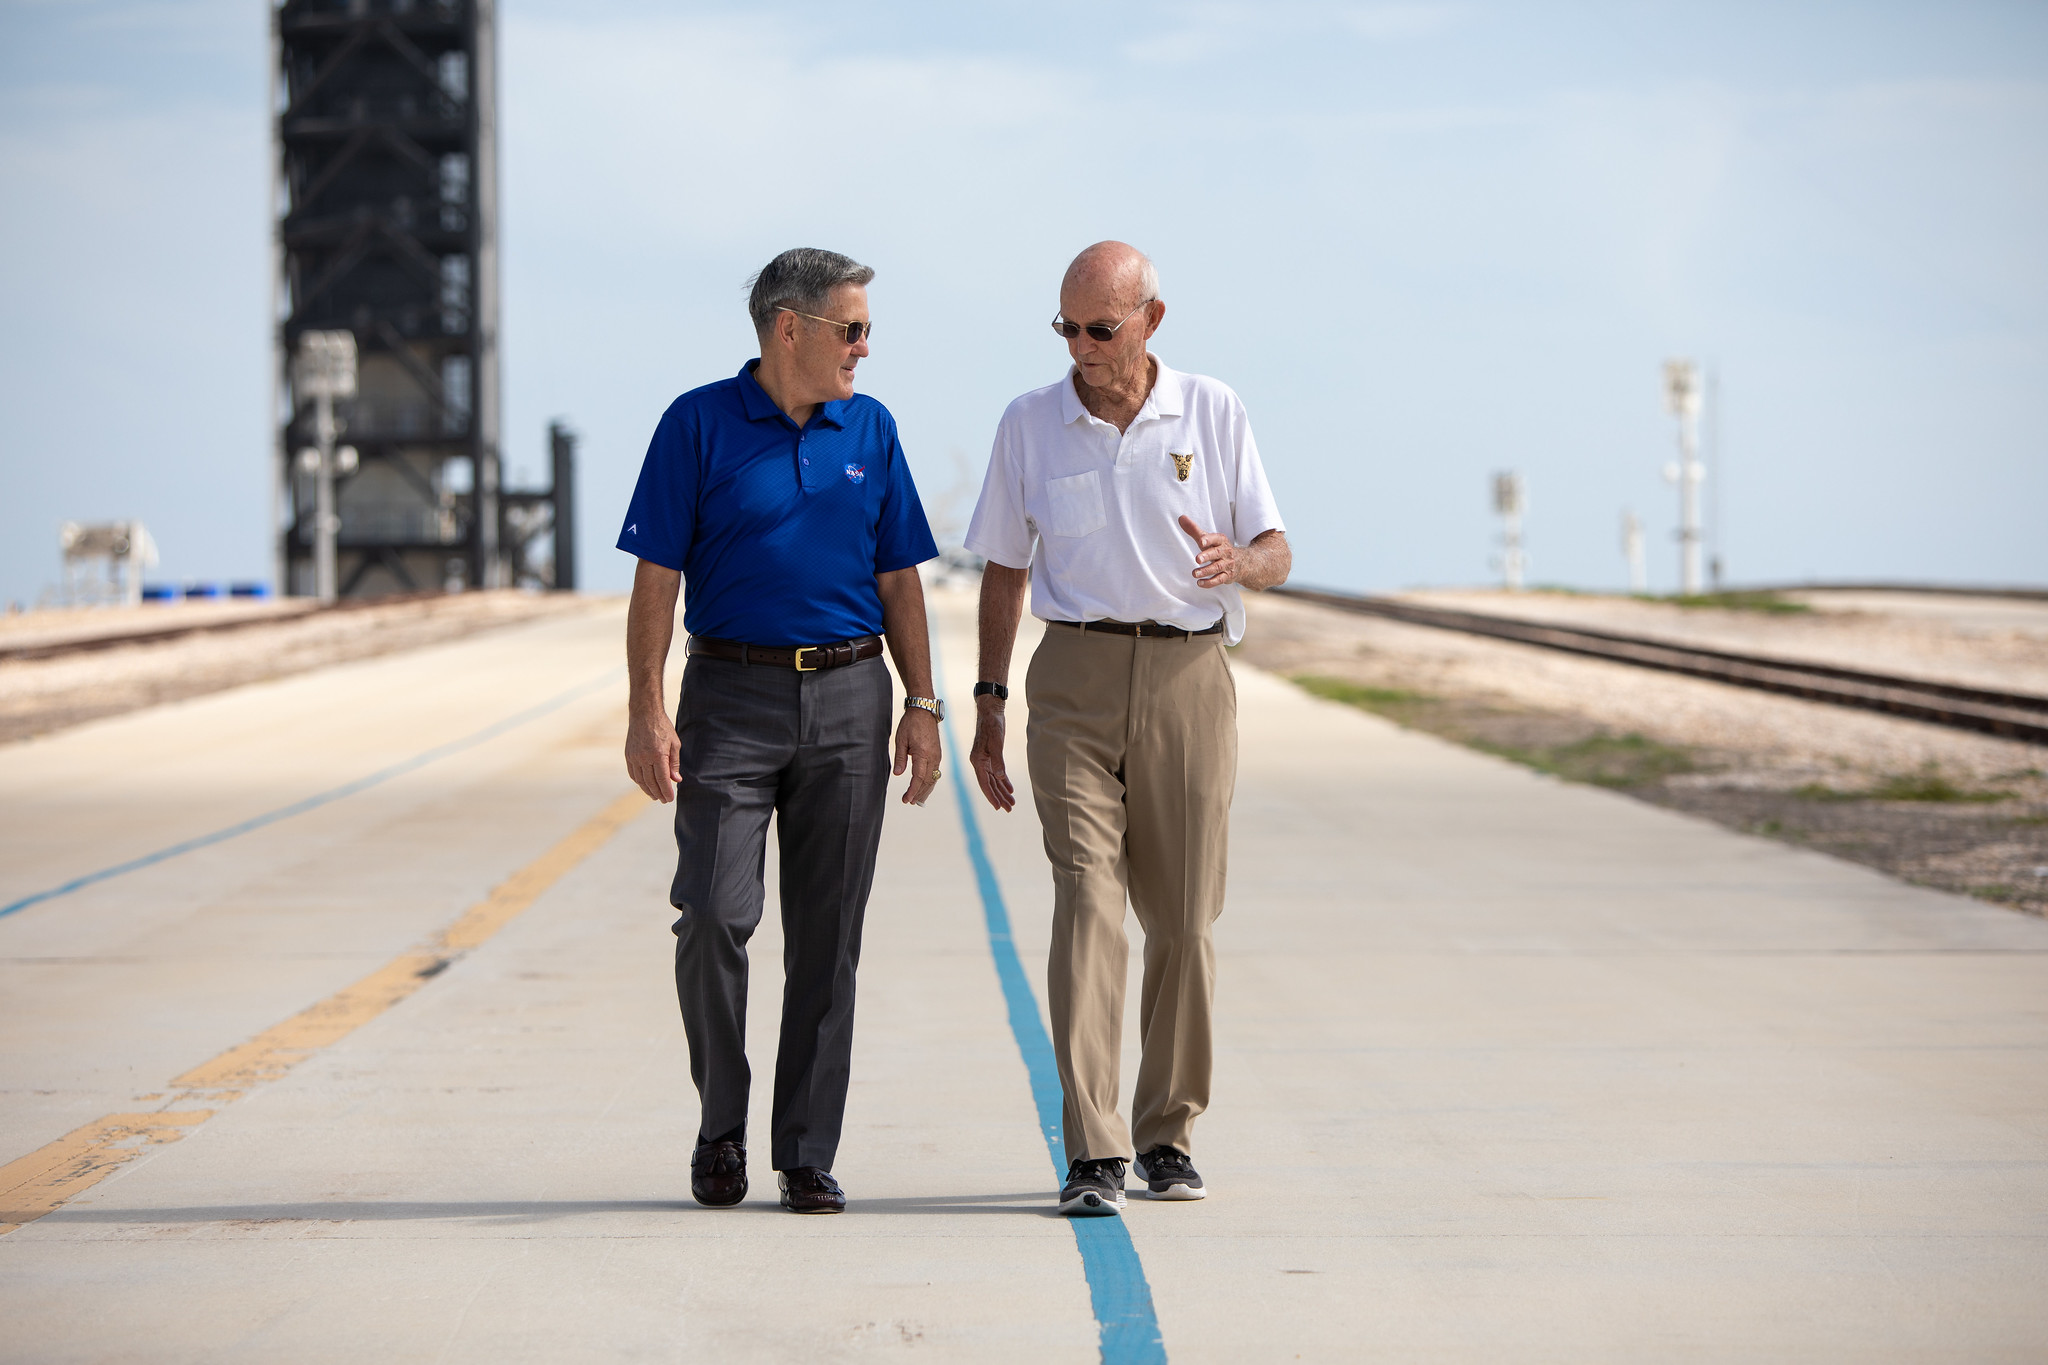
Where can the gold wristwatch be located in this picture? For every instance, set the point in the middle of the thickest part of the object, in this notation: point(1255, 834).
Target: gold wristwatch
point(931, 704)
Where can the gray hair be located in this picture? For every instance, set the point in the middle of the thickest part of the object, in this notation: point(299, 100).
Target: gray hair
point(801, 278)
point(1148, 279)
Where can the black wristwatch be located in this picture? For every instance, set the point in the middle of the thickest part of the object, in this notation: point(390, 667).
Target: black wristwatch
point(989, 689)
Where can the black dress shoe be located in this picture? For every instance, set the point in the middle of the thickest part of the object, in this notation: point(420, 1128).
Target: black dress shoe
point(807, 1189)
point(718, 1174)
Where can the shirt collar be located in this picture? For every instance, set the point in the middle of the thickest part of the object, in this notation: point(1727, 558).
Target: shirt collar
point(1164, 400)
point(758, 406)
point(1167, 396)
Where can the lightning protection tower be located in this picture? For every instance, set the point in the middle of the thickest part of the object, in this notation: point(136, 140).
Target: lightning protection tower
point(386, 203)
point(1682, 397)
point(1510, 496)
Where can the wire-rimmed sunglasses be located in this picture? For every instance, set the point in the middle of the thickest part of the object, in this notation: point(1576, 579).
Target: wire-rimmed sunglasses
point(1096, 330)
point(856, 332)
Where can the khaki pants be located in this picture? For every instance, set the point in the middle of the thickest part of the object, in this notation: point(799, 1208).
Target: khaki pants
point(1132, 747)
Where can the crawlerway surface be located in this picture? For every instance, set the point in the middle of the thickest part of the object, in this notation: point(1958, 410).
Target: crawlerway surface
point(1949, 810)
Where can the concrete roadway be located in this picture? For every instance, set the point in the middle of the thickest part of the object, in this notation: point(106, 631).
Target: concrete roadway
point(1509, 1070)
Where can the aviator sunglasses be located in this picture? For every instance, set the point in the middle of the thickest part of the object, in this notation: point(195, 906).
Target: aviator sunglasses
point(856, 332)
point(1096, 330)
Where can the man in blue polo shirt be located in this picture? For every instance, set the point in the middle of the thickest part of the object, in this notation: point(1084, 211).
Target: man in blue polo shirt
point(784, 502)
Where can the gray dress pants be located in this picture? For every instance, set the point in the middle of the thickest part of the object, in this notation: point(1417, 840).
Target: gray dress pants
point(813, 749)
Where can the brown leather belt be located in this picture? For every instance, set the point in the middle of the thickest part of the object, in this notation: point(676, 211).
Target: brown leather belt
point(804, 658)
point(1144, 630)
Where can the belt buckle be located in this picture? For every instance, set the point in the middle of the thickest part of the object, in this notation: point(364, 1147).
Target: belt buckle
point(799, 658)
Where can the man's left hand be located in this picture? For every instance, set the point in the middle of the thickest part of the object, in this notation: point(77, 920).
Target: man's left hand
point(1216, 559)
point(917, 745)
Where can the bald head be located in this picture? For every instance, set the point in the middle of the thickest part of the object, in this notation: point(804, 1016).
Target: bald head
point(1113, 289)
point(1115, 272)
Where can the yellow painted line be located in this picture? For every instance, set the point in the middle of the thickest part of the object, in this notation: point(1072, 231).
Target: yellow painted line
point(44, 1179)
point(47, 1178)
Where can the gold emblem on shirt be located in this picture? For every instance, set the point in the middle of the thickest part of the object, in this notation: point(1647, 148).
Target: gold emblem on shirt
point(1182, 464)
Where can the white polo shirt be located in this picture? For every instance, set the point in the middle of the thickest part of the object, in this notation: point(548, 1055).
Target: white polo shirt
point(1095, 513)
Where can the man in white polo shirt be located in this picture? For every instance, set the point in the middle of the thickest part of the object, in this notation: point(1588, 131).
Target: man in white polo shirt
point(1129, 498)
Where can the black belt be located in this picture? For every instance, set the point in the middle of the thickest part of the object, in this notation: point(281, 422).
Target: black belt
point(1144, 630)
point(803, 658)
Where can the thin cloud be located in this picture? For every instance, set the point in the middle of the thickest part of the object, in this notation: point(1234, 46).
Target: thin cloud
point(1214, 32)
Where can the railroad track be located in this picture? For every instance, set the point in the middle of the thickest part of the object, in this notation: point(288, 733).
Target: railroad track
point(174, 629)
point(2011, 715)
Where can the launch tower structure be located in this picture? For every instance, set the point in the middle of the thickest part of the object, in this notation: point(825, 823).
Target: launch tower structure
point(387, 227)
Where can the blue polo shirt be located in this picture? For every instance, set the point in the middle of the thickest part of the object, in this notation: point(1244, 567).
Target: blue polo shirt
point(777, 531)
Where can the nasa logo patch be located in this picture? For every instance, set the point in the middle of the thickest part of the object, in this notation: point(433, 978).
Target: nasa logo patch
point(856, 473)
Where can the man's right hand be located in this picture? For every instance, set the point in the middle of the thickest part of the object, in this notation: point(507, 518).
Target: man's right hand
point(654, 756)
point(986, 757)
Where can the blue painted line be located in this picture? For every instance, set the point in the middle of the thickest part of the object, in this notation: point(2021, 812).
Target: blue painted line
point(1117, 1288)
point(319, 799)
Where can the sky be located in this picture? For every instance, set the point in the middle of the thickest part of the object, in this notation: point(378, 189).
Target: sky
point(1424, 242)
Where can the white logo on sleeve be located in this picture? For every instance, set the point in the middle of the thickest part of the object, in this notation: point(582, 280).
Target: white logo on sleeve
point(632, 528)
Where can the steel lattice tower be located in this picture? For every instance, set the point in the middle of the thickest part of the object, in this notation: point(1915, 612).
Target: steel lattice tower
point(386, 203)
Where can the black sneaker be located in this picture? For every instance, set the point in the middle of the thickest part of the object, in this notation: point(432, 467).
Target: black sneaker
point(1093, 1187)
point(1168, 1174)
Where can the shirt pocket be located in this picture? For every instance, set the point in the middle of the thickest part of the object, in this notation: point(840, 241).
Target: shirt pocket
point(1073, 506)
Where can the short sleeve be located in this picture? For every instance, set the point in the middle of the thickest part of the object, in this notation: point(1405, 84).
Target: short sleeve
point(1252, 509)
point(1000, 530)
point(903, 537)
point(661, 519)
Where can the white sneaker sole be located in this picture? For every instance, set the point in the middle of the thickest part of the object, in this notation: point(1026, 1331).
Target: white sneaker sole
point(1091, 1204)
point(1177, 1192)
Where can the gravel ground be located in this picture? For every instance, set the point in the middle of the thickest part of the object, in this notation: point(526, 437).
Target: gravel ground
point(1987, 642)
point(1946, 808)
point(41, 695)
